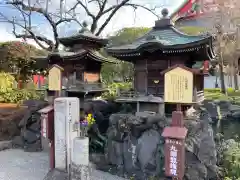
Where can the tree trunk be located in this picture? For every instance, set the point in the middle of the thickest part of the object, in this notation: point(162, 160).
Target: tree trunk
point(235, 78)
point(231, 76)
point(223, 88)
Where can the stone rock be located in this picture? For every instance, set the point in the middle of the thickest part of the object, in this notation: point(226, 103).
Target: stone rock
point(194, 170)
point(200, 143)
point(129, 153)
point(18, 142)
point(211, 107)
point(135, 145)
point(224, 107)
point(35, 127)
point(33, 147)
point(234, 108)
point(5, 145)
point(35, 105)
point(236, 115)
point(148, 153)
point(31, 137)
point(115, 154)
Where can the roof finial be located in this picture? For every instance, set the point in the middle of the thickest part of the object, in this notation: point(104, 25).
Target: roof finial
point(85, 24)
point(164, 12)
point(84, 27)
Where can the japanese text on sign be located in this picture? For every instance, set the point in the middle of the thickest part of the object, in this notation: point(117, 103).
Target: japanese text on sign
point(175, 158)
point(173, 161)
point(178, 87)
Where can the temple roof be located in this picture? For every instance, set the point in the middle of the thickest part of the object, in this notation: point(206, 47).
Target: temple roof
point(73, 56)
point(83, 36)
point(191, 9)
point(165, 37)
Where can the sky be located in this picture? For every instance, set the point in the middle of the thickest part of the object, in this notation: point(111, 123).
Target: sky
point(125, 17)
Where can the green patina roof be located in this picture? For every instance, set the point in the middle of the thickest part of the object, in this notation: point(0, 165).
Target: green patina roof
point(167, 38)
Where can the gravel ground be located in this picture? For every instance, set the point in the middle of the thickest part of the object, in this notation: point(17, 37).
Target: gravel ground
point(16, 164)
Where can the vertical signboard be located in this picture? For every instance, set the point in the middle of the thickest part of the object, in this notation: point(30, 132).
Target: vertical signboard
point(66, 115)
point(178, 86)
point(73, 116)
point(55, 78)
point(175, 157)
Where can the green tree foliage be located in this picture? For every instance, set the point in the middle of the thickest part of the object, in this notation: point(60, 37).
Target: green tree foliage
point(122, 71)
point(16, 56)
point(192, 30)
point(128, 35)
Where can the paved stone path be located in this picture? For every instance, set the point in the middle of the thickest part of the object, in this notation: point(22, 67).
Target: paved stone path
point(15, 164)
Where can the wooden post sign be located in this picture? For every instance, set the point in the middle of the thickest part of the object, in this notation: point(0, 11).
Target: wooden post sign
point(178, 85)
point(174, 148)
point(178, 88)
point(55, 78)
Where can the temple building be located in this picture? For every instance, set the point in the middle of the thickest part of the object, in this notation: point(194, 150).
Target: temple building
point(195, 13)
point(200, 14)
point(163, 47)
point(81, 62)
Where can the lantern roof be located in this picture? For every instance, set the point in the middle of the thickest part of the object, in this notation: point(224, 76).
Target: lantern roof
point(84, 36)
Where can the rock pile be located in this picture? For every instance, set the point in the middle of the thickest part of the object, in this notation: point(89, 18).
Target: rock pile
point(9, 120)
point(135, 147)
point(30, 127)
point(228, 110)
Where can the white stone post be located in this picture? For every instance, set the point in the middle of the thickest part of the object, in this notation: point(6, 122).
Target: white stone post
point(80, 159)
point(66, 114)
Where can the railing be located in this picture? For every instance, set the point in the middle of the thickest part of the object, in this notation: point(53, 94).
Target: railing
point(127, 94)
point(200, 96)
point(134, 94)
point(86, 86)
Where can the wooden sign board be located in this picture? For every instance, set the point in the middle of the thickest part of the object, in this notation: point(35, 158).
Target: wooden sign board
point(55, 78)
point(178, 86)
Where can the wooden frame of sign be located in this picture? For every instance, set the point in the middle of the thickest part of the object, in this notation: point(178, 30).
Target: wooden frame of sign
point(55, 79)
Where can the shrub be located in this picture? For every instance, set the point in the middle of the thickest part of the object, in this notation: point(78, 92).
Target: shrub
point(9, 94)
point(232, 161)
point(112, 93)
point(19, 95)
point(6, 82)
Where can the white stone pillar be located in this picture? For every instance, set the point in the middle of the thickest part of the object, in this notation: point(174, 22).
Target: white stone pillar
point(66, 114)
point(80, 169)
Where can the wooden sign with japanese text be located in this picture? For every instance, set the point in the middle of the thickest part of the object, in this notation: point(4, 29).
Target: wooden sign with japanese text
point(55, 78)
point(174, 158)
point(178, 86)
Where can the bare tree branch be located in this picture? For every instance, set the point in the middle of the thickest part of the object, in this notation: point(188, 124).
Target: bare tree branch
point(112, 10)
point(26, 10)
point(23, 9)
